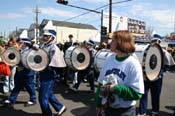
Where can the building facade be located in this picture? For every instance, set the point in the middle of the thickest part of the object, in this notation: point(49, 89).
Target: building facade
point(80, 32)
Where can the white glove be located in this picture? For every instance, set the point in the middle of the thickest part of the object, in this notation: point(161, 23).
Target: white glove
point(35, 46)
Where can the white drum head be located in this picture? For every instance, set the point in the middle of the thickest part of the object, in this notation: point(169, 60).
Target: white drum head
point(77, 57)
point(37, 60)
point(101, 57)
point(152, 62)
point(11, 56)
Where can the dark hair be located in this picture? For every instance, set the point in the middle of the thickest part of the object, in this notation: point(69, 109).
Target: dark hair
point(75, 43)
point(71, 36)
point(125, 41)
point(60, 46)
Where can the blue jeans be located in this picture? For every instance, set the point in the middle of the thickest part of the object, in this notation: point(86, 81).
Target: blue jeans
point(155, 89)
point(46, 94)
point(9, 81)
point(130, 111)
point(23, 80)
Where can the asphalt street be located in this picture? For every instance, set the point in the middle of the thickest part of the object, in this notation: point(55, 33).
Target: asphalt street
point(82, 103)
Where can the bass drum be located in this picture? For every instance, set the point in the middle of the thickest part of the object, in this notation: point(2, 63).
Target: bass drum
point(24, 59)
point(11, 56)
point(100, 58)
point(77, 57)
point(37, 60)
point(151, 59)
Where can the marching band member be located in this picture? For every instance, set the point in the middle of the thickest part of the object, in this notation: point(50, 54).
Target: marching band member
point(121, 79)
point(155, 86)
point(68, 43)
point(68, 71)
point(89, 71)
point(47, 76)
point(61, 70)
point(23, 77)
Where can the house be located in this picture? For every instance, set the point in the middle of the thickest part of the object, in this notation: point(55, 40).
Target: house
point(80, 32)
point(32, 32)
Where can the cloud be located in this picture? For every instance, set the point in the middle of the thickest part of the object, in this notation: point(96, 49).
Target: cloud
point(160, 16)
point(29, 10)
point(163, 16)
point(50, 11)
point(140, 9)
point(12, 16)
point(136, 8)
point(55, 12)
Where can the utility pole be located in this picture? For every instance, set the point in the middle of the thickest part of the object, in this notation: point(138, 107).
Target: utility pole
point(36, 11)
point(16, 31)
point(102, 36)
point(174, 25)
point(110, 16)
point(4, 34)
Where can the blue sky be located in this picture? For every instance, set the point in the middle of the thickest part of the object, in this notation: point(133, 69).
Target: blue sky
point(158, 14)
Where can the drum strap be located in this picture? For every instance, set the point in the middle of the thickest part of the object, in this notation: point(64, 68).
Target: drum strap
point(25, 49)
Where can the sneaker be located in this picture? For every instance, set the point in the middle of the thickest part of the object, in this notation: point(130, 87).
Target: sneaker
point(84, 80)
point(141, 114)
point(74, 89)
point(62, 110)
point(7, 102)
point(154, 113)
point(29, 103)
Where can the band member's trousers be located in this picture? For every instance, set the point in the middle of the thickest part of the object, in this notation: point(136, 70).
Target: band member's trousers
point(46, 94)
point(23, 80)
point(155, 91)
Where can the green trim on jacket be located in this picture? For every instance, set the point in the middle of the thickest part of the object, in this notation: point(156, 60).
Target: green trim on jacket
point(127, 93)
point(97, 96)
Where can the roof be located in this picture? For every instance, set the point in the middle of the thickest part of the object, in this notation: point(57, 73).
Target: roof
point(67, 24)
point(20, 30)
point(33, 26)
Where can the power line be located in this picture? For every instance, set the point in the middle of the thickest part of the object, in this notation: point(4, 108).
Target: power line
point(97, 9)
point(92, 21)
